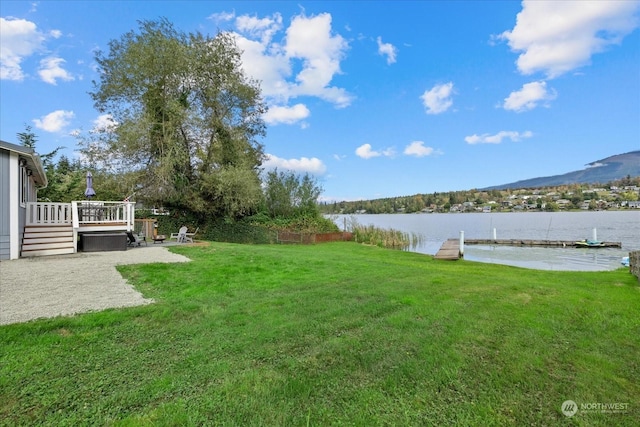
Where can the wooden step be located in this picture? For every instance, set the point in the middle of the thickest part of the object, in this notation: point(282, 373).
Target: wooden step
point(46, 245)
point(47, 228)
point(48, 239)
point(44, 252)
point(54, 234)
point(41, 240)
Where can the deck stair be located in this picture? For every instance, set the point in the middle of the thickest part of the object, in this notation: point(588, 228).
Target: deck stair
point(40, 240)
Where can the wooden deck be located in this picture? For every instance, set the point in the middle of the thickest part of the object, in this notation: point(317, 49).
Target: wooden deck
point(55, 227)
point(450, 250)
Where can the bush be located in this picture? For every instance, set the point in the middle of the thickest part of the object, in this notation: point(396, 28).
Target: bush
point(215, 229)
point(301, 224)
point(239, 232)
point(256, 229)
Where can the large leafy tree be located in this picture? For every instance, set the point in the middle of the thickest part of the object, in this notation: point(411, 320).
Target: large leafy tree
point(288, 195)
point(186, 120)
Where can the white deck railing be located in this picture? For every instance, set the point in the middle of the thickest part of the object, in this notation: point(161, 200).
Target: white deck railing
point(106, 215)
point(44, 213)
point(103, 214)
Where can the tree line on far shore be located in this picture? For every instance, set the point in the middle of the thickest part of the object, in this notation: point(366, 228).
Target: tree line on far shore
point(572, 196)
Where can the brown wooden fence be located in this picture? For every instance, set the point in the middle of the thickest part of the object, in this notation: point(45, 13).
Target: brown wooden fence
point(634, 263)
point(310, 238)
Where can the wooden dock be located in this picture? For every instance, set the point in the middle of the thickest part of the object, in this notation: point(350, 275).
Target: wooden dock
point(539, 243)
point(449, 250)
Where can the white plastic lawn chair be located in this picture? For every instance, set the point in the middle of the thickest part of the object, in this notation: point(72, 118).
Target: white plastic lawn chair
point(182, 235)
point(190, 235)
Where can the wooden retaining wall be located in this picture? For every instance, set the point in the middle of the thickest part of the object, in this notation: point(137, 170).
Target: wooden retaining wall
point(634, 263)
point(309, 238)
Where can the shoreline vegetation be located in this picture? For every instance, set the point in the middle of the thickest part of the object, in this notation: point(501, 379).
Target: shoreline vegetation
point(338, 333)
point(382, 237)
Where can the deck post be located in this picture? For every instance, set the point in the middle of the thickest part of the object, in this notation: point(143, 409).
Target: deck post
point(75, 221)
point(461, 243)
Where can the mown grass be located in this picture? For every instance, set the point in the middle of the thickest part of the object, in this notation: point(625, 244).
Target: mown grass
point(333, 334)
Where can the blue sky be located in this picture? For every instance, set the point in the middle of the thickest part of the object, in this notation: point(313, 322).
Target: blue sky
point(374, 98)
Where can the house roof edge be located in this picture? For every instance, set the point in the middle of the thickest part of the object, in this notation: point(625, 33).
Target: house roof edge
point(33, 160)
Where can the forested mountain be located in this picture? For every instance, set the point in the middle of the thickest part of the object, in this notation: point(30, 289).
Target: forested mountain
point(601, 171)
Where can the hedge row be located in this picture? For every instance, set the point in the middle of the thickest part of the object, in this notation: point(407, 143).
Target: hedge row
point(211, 229)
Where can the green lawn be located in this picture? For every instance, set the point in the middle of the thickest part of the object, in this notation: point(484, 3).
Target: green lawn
point(333, 334)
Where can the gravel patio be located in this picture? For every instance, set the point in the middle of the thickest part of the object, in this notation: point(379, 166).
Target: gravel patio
point(63, 285)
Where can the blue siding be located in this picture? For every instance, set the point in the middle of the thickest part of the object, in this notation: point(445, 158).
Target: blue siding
point(4, 205)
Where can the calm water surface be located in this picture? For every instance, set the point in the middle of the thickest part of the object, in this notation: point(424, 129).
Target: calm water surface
point(434, 229)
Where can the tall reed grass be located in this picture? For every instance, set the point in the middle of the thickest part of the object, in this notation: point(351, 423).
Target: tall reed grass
point(384, 238)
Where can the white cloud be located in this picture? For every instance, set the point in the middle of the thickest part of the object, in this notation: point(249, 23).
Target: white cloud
point(417, 148)
point(529, 97)
point(50, 70)
point(19, 39)
point(267, 64)
point(555, 37)
point(104, 123)
point(389, 152)
point(438, 99)
point(287, 115)
point(313, 166)
point(365, 151)
point(222, 17)
point(309, 45)
point(55, 121)
point(388, 50)
point(497, 138)
point(263, 28)
point(311, 40)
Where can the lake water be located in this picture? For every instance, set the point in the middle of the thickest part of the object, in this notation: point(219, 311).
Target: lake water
point(433, 229)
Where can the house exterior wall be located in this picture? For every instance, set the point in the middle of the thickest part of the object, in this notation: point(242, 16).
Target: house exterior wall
point(21, 173)
point(5, 230)
point(14, 207)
